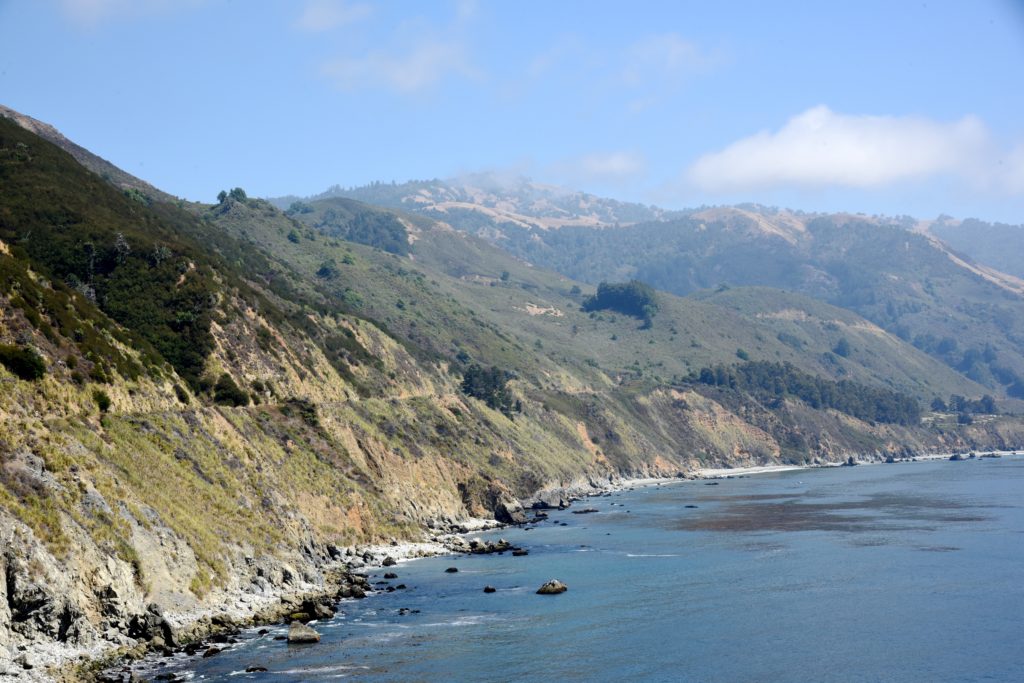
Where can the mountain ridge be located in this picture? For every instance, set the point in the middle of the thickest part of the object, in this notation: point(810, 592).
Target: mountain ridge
point(323, 403)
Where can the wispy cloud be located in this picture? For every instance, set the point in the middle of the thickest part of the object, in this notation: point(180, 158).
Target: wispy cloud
point(617, 169)
point(424, 66)
point(415, 58)
point(612, 166)
point(661, 58)
point(821, 148)
point(89, 13)
point(325, 15)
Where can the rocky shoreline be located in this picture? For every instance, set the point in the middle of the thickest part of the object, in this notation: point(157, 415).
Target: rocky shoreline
point(343, 574)
point(206, 634)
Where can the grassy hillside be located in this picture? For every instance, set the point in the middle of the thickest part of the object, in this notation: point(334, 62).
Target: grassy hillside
point(995, 244)
point(202, 400)
point(487, 205)
point(906, 283)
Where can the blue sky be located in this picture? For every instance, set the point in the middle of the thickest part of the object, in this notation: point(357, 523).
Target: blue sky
point(882, 107)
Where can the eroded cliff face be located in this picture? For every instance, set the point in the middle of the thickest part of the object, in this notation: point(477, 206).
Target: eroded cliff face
point(159, 510)
point(129, 524)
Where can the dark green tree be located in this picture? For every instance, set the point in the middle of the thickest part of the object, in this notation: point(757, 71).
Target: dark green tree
point(633, 298)
point(490, 385)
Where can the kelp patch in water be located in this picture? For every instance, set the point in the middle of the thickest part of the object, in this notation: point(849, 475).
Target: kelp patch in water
point(806, 512)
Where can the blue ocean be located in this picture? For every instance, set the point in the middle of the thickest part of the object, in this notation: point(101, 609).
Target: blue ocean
point(906, 572)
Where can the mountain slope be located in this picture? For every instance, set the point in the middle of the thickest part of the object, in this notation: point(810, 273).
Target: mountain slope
point(967, 316)
point(94, 163)
point(995, 244)
point(490, 205)
point(206, 402)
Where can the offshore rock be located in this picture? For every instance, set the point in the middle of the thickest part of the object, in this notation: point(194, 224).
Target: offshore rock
point(552, 587)
point(300, 633)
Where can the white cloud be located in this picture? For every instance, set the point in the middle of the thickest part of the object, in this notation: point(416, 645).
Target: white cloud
point(324, 15)
point(616, 168)
point(89, 13)
point(820, 148)
point(424, 66)
point(614, 165)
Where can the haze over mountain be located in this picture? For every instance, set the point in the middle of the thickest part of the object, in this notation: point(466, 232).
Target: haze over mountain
point(677, 105)
point(896, 272)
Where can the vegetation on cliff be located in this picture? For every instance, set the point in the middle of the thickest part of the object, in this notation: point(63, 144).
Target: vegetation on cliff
point(189, 390)
point(776, 381)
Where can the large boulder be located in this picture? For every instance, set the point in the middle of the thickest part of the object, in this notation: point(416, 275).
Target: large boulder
point(552, 587)
point(152, 626)
point(509, 511)
point(318, 609)
point(550, 500)
point(300, 633)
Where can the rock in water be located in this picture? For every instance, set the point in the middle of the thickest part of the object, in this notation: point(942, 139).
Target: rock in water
point(552, 587)
point(490, 589)
point(300, 633)
point(452, 570)
point(389, 561)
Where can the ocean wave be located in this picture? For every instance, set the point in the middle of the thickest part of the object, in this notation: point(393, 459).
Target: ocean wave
point(333, 669)
point(651, 555)
point(471, 620)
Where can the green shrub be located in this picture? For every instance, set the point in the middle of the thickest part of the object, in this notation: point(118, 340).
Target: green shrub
point(303, 409)
point(180, 392)
point(23, 362)
point(102, 400)
point(226, 392)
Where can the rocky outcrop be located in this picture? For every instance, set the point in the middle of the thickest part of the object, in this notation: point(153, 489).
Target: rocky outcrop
point(552, 587)
point(299, 633)
point(483, 547)
point(153, 627)
point(509, 511)
point(553, 499)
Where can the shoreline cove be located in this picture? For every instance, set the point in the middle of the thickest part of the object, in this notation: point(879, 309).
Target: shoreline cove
point(242, 613)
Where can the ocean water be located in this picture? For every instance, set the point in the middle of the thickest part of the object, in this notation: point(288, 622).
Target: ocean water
point(908, 572)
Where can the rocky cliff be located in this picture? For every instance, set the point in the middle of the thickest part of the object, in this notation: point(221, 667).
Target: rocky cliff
point(204, 408)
